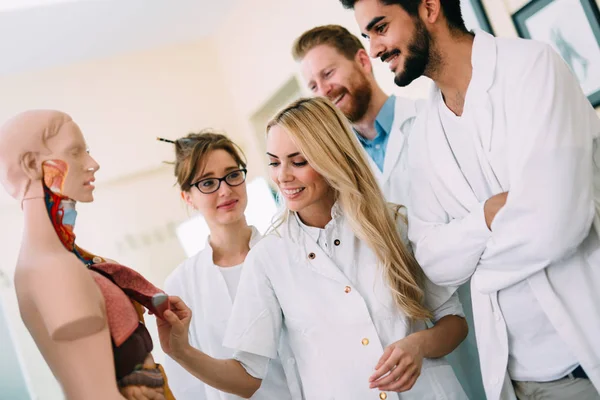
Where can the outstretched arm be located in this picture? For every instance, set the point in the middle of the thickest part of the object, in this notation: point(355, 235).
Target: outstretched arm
point(226, 375)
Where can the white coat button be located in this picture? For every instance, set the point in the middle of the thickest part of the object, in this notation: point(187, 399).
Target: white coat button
point(383, 395)
point(336, 242)
point(347, 289)
point(312, 256)
point(365, 341)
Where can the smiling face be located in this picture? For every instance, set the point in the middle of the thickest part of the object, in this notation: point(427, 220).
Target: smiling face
point(397, 38)
point(345, 82)
point(69, 170)
point(227, 204)
point(302, 187)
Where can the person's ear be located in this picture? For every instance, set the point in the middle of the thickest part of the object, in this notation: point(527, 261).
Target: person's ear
point(31, 166)
point(431, 10)
point(187, 197)
point(363, 59)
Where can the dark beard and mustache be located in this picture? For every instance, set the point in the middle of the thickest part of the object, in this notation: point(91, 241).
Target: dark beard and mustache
point(418, 59)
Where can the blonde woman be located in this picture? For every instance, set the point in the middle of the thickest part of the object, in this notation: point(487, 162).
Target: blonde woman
point(337, 277)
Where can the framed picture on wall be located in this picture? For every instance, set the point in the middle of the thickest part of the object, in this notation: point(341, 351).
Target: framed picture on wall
point(474, 15)
point(572, 27)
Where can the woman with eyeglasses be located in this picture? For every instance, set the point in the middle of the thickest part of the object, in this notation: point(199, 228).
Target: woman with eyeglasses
point(211, 172)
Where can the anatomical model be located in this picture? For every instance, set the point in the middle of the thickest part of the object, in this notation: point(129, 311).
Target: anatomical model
point(85, 312)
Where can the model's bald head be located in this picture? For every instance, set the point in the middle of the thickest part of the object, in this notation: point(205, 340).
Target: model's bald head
point(23, 142)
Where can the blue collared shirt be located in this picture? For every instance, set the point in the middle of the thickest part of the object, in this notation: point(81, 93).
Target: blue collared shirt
point(383, 125)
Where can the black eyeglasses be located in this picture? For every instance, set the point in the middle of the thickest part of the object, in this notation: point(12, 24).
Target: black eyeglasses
point(211, 185)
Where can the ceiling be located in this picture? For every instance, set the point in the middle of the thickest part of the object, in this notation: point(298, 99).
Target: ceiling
point(38, 34)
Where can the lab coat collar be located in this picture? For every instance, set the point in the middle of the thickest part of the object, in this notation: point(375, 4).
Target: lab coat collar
point(404, 110)
point(442, 158)
point(254, 238)
point(478, 101)
point(478, 110)
point(308, 252)
point(483, 61)
point(211, 273)
point(314, 232)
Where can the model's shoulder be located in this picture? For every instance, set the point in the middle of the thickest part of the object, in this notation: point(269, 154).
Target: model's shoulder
point(52, 264)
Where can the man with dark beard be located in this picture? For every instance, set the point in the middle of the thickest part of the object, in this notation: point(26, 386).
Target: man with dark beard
point(505, 192)
point(335, 65)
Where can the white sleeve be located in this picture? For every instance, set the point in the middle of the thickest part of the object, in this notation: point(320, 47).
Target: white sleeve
point(184, 385)
point(440, 300)
point(550, 206)
point(255, 365)
point(447, 249)
point(256, 318)
point(452, 306)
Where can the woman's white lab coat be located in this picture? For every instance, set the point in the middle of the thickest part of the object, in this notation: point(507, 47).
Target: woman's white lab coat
point(536, 137)
point(200, 284)
point(338, 325)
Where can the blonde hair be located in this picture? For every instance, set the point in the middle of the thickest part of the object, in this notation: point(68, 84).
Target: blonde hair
point(323, 136)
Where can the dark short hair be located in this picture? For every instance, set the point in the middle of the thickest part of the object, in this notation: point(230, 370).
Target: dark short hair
point(335, 36)
point(450, 8)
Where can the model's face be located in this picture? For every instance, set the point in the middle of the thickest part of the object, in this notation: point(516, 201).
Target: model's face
point(301, 186)
point(397, 38)
point(69, 170)
point(330, 74)
point(228, 203)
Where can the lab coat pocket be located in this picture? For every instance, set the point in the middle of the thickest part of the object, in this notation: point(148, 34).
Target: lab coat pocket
point(296, 325)
point(301, 335)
